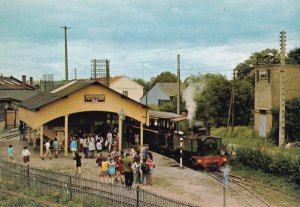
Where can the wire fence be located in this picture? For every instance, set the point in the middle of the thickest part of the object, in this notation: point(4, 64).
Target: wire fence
point(78, 188)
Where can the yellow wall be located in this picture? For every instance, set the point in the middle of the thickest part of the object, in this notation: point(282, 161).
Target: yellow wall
point(75, 103)
point(135, 90)
point(267, 94)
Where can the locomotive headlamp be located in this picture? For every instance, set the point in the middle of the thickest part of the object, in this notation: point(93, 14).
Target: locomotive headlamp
point(222, 152)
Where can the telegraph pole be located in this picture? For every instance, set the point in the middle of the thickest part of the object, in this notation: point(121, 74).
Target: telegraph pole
point(75, 71)
point(66, 53)
point(178, 81)
point(233, 100)
point(282, 90)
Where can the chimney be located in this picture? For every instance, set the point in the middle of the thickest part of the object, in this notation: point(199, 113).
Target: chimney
point(24, 79)
point(31, 81)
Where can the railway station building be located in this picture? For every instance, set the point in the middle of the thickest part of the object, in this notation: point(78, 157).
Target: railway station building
point(12, 92)
point(80, 107)
point(267, 93)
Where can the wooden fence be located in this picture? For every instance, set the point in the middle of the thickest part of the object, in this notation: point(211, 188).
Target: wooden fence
point(78, 188)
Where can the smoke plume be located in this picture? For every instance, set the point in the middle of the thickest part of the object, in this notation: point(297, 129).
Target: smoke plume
point(188, 96)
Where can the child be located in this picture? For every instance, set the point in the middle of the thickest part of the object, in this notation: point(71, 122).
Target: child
point(11, 152)
point(55, 145)
point(112, 167)
point(77, 158)
point(145, 171)
point(99, 162)
point(73, 146)
point(104, 167)
point(48, 152)
point(25, 155)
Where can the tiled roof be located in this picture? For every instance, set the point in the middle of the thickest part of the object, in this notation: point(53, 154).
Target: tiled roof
point(171, 89)
point(59, 92)
point(11, 83)
point(17, 95)
point(162, 114)
point(114, 79)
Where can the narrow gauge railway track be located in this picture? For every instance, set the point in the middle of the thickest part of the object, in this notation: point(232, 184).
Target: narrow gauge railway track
point(246, 194)
point(10, 136)
point(234, 185)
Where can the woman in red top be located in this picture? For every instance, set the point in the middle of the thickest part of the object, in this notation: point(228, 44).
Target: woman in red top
point(120, 169)
point(151, 166)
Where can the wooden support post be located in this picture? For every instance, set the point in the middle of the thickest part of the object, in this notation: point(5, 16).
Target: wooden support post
point(120, 133)
point(142, 134)
point(34, 139)
point(29, 135)
point(42, 141)
point(66, 134)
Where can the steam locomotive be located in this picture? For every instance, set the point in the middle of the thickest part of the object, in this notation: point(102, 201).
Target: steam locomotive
point(200, 149)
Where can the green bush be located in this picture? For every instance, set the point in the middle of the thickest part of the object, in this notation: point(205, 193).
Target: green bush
point(276, 163)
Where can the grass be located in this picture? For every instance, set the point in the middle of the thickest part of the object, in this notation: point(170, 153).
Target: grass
point(288, 193)
point(245, 137)
point(10, 201)
point(42, 195)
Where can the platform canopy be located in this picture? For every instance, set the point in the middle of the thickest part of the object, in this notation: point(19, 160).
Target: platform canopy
point(79, 96)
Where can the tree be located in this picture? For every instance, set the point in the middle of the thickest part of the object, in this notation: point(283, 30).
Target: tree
point(264, 57)
point(292, 121)
point(212, 102)
point(146, 85)
point(293, 56)
point(164, 77)
point(244, 99)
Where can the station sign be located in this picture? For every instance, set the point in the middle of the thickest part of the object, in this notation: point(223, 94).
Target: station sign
point(94, 98)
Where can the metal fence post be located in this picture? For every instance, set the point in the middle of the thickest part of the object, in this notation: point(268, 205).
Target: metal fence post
point(70, 187)
point(28, 177)
point(137, 196)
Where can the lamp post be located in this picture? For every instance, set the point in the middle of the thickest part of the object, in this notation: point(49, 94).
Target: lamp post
point(122, 116)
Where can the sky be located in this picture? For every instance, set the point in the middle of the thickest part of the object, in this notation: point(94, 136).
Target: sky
point(141, 38)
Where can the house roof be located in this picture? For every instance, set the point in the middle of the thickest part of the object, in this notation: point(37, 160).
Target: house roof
point(16, 95)
point(171, 89)
point(59, 92)
point(11, 83)
point(115, 79)
point(162, 114)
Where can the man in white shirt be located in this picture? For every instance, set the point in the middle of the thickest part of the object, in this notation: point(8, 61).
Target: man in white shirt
point(48, 152)
point(109, 140)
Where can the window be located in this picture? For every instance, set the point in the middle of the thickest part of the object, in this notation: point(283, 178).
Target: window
point(162, 102)
point(2, 111)
point(125, 93)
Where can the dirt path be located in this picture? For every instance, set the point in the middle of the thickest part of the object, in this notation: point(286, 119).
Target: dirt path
point(181, 184)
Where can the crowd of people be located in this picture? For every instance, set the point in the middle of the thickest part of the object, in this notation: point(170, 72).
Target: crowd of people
point(113, 166)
